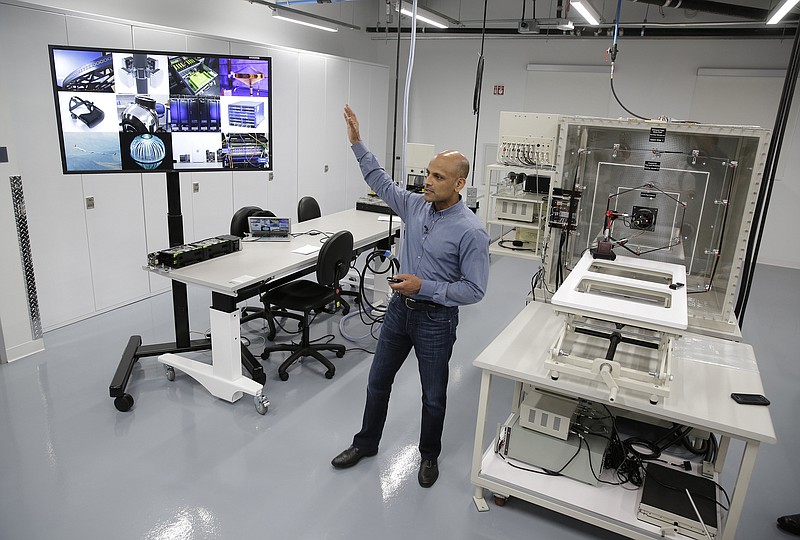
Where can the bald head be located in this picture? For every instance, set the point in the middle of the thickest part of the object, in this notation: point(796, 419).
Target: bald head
point(447, 175)
point(457, 161)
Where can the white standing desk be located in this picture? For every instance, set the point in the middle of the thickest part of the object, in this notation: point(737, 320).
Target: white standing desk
point(706, 371)
point(240, 275)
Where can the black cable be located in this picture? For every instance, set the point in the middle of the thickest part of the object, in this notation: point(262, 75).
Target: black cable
point(562, 244)
point(613, 51)
point(512, 247)
point(694, 495)
point(614, 92)
point(393, 267)
point(547, 472)
point(476, 97)
point(360, 349)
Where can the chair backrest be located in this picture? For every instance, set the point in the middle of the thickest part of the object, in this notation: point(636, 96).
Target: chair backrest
point(334, 258)
point(239, 220)
point(239, 224)
point(307, 208)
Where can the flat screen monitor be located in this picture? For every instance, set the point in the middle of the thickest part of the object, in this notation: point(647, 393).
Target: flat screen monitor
point(148, 111)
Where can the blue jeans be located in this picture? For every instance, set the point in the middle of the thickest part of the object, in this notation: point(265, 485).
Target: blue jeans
point(432, 334)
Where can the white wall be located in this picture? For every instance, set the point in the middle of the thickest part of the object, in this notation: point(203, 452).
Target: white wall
point(652, 77)
point(84, 263)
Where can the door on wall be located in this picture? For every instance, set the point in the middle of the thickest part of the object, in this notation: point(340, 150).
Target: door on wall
point(116, 235)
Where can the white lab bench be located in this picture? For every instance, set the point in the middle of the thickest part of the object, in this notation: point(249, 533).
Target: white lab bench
point(706, 370)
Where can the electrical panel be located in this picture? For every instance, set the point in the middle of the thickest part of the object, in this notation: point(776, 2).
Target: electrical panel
point(527, 139)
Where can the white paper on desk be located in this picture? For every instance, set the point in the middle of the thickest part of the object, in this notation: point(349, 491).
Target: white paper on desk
point(241, 279)
point(306, 249)
point(385, 217)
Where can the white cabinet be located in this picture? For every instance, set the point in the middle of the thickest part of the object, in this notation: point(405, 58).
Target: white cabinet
point(515, 218)
point(282, 189)
point(337, 90)
point(211, 194)
point(154, 193)
point(116, 235)
point(369, 90)
point(311, 133)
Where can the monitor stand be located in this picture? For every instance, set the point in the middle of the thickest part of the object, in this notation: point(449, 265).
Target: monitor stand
point(180, 309)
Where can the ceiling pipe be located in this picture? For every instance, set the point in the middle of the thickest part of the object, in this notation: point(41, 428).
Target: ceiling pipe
point(708, 6)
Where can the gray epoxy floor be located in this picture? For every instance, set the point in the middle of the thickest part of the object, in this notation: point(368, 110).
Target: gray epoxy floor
point(185, 465)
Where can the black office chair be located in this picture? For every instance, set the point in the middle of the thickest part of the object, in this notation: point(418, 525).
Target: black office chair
point(239, 220)
point(304, 295)
point(307, 208)
point(239, 227)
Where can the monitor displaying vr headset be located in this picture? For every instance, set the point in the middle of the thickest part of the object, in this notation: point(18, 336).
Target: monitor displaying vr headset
point(141, 111)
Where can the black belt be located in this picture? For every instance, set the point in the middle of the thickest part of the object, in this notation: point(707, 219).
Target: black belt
point(420, 305)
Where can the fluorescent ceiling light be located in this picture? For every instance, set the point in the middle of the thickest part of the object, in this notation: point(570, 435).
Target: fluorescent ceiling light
point(558, 24)
point(587, 11)
point(781, 11)
point(304, 20)
point(424, 15)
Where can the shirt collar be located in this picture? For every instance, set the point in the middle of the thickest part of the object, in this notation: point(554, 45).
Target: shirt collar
point(446, 211)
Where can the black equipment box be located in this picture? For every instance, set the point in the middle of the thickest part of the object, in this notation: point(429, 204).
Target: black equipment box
point(664, 501)
point(374, 204)
point(187, 254)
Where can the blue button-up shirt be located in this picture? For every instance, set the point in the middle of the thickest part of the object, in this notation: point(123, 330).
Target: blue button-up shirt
point(447, 250)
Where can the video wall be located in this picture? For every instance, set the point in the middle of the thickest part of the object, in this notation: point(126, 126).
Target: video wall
point(139, 111)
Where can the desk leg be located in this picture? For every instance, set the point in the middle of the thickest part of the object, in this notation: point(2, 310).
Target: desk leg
point(223, 378)
point(740, 489)
point(722, 453)
point(480, 431)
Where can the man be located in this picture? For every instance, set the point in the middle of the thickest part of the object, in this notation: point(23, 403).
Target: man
point(444, 263)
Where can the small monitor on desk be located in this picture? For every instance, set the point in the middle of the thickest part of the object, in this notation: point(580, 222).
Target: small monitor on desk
point(267, 228)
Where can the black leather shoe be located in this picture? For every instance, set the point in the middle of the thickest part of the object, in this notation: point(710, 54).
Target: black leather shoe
point(790, 523)
point(428, 472)
point(350, 457)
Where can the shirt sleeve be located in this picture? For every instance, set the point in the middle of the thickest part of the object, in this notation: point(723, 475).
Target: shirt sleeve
point(380, 182)
point(474, 263)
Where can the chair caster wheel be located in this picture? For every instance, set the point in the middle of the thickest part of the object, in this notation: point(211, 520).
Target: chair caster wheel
point(339, 354)
point(265, 355)
point(261, 402)
point(345, 310)
point(170, 372)
point(283, 375)
point(329, 374)
point(124, 402)
point(271, 336)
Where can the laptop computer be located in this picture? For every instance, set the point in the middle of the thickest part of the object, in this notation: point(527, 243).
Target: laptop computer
point(270, 229)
